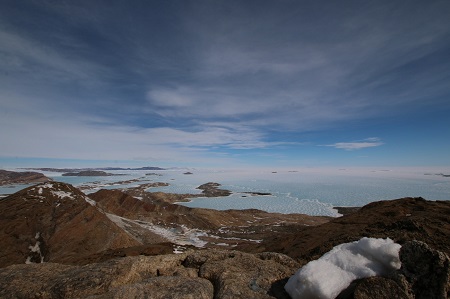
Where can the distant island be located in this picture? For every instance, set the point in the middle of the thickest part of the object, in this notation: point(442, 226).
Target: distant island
point(90, 173)
point(94, 169)
point(28, 177)
point(439, 174)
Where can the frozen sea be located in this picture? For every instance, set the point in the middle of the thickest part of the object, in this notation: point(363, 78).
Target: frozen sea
point(313, 191)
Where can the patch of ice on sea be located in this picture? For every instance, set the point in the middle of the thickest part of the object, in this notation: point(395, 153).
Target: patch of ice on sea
point(273, 204)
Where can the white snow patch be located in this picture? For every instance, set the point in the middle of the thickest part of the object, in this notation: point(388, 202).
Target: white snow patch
point(63, 194)
point(178, 249)
point(90, 201)
point(326, 277)
point(40, 191)
point(179, 236)
point(35, 248)
point(47, 185)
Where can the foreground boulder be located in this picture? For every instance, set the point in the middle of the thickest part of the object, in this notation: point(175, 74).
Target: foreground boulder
point(427, 271)
point(200, 274)
point(424, 274)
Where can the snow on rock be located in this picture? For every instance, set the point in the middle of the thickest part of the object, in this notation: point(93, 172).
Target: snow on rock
point(47, 185)
point(63, 194)
point(90, 201)
point(179, 235)
point(326, 277)
point(36, 248)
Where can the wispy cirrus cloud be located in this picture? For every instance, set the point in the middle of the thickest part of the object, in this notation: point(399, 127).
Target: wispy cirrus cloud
point(357, 145)
point(210, 78)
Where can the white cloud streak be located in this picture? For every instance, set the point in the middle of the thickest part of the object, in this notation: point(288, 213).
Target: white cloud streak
point(219, 76)
point(357, 145)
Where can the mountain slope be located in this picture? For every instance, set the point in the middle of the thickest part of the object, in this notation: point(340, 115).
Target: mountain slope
point(55, 222)
point(401, 220)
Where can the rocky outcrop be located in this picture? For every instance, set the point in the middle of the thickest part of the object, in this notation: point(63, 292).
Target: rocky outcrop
point(375, 288)
point(101, 247)
point(55, 222)
point(201, 274)
point(425, 274)
point(427, 271)
point(27, 177)
point(217, 228)
point(401, 220)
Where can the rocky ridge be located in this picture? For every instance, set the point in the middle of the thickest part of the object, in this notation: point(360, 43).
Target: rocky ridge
point(113, 245)
point(402, 220)
point(55, 222)
point(199, 274)
point(199, 227)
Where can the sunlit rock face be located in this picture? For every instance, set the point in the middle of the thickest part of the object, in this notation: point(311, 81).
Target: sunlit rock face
point(54, 222)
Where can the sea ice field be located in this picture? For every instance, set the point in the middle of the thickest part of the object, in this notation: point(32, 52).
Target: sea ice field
point(313, 191)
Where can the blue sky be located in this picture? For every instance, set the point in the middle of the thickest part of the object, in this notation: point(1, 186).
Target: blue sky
point(225, 83)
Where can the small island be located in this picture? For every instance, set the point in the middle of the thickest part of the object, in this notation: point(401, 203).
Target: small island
point(212, 190)
point(28, 177)
point(90, 173)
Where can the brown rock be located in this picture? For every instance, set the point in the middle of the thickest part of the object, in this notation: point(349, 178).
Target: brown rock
point(231, 227)
point(379, 288)
point(53, 222)
point(402, 220)
point(240, 275)
point(426, 269)
point(164, 287)
point(201, 274)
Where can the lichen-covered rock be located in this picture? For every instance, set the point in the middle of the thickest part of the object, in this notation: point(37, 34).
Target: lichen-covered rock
point(200, 274)
point(163, 287)
point(241, 275)
point(427, 270)
point(379, 288)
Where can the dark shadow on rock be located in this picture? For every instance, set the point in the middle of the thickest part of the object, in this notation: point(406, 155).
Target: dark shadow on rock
point(277, 289)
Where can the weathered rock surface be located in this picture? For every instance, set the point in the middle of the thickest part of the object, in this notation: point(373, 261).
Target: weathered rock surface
point(426, 270)
point(27, 177)
point(87, 255)
point(425, 274)
point(376, 288)
point(54, 222)
point(225, 228)
point(200, 274)
point(401, 220)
